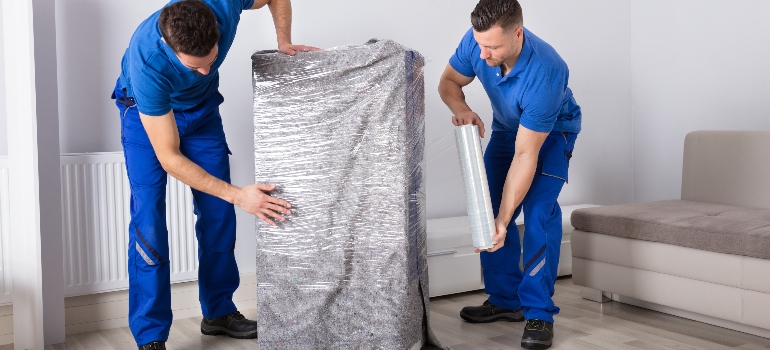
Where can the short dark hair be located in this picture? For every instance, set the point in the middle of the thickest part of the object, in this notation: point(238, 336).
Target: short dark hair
point(489, 13)
point(189, 27)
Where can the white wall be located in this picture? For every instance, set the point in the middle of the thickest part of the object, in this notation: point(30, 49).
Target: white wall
point(3, 124)
point(697, 64)
point(91, 38)
point(592, 36)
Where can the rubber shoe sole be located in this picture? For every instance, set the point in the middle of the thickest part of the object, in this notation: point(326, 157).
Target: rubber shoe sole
point(510, 317)
point(215, 330)
point(536, 344)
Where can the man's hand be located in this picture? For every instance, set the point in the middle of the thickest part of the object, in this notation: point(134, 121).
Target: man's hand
point(253, 200)
point(292, 50)
point(450, 88)
point(281, 12)
point(499, 240)
point(469, 117)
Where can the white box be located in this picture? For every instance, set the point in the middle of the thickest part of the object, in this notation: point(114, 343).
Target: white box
point(453, 266)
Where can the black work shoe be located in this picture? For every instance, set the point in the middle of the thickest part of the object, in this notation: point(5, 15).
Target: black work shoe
point(233, 325)
point(488, 312)
point(537, 335)
point(156, 345)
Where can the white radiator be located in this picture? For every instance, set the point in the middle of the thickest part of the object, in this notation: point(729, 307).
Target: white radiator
point(95, 208)
point(5, 235)
point(95, 205)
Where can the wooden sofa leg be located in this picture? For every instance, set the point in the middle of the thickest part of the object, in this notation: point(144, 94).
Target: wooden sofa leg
point(593, 295)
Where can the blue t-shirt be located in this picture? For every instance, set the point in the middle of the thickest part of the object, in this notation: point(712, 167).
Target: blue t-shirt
point(154, 76)
point(534, 93)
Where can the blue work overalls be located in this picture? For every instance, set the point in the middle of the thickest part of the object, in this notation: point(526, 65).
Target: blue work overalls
point(202, 140)
point(507, 285)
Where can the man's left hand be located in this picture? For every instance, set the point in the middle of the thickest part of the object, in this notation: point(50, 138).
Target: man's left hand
point(499, 240)
point(292, 50)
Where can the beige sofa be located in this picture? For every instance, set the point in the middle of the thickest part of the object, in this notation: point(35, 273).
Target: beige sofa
point(704, 257)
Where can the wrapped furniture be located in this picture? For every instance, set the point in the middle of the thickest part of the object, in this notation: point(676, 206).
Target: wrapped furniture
point(341, 134)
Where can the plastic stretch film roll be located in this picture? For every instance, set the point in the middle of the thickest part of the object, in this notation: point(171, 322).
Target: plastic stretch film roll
point(476, 186)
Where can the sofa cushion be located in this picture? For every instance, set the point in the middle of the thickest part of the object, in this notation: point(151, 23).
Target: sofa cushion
point(713, 227)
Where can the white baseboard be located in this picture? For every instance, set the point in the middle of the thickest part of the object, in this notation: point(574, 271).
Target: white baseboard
point(90, 313)
point(6, 324)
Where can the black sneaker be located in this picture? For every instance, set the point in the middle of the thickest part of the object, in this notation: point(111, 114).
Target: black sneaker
point(537, 335)
point(234, 325)
point(488, 312)
point(156, 345)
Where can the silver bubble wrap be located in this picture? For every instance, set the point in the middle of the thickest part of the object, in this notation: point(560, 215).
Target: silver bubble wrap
point(340, 132)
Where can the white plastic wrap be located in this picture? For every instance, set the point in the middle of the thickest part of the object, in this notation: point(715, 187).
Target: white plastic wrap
point(476, 186)
point(341, 134)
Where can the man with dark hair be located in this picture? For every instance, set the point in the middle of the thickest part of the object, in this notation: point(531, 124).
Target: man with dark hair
point(169, 107)
point(535, 123)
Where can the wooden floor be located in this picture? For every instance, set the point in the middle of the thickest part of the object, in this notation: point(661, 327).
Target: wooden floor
point(581, 324)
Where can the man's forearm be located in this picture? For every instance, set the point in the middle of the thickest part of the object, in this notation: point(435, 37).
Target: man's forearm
point(164, 137)
point(453, 96)
point(183, 169)
point(281, 12)
point(517, 184)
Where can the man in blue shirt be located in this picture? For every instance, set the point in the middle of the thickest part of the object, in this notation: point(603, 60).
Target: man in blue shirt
point(535, 123)
point(169, 107)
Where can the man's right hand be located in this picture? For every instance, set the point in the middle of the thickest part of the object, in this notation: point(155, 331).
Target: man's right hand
point(469, 117)
point(255, 201)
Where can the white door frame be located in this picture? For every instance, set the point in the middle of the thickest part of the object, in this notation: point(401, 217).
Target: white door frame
point(29, 32)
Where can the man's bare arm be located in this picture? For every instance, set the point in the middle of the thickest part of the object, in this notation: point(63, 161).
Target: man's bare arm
point(522, 171)
point(450, 88)
point(282, 15)
point(518, 181)
point(164, 138)
point(281, 12)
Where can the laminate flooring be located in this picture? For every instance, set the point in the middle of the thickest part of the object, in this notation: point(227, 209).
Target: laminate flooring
point(582, 324)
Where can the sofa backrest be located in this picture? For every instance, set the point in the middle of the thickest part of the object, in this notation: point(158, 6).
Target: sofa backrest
point(727, 167)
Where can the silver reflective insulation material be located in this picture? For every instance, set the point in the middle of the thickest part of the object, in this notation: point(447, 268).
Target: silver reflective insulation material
point(476, 186)
point(340, 132)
